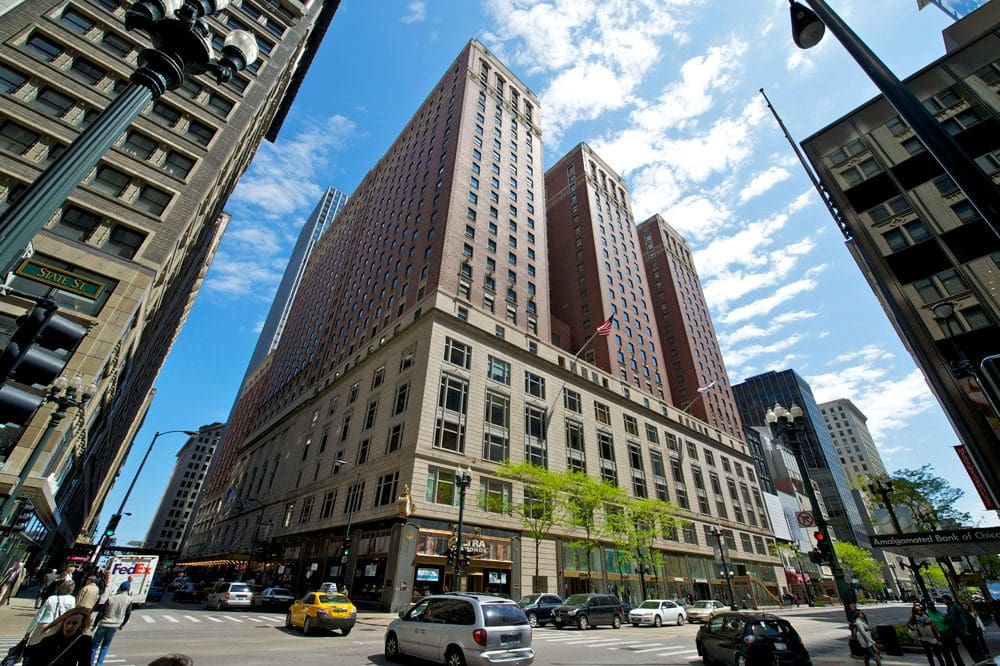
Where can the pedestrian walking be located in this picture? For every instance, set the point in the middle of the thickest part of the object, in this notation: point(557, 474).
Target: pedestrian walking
point(46, 587)
point(980, 628)
point(89, 594)
point(64, 642)
point(964, 627)
point(949, 643)
point(117, 611)
point(922, 629)
point(55, 606)
point(863, 635)
point(12, 579)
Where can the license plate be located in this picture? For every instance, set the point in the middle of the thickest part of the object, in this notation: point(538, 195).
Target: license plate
point(510, 639)
point(780, 646)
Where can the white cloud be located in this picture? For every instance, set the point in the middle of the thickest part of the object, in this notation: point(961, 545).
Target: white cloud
point(762, 182)
point(767, 304)
point(417, 12)
point(735, 358)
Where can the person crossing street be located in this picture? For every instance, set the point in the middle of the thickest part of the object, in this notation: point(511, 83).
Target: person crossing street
point(117, 611)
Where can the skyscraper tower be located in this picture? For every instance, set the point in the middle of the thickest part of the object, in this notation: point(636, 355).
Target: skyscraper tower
point(601, 274)
point(852, 442)
point(756, 395)
point(695, 370)
point(143, 225)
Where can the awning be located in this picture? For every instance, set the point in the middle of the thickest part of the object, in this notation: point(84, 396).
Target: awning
point(940, 543)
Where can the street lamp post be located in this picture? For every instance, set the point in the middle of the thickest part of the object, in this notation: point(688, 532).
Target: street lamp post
point(181, 46)
point(789, 425)
point(979, 189)
point(256, 535)
point(895, 579)
point(883, 488)
point(345, 548)
point(726, 573)
point(803, 573)
point(117, 515)
point(463, 479)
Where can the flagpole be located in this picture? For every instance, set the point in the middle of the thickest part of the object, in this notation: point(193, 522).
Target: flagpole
point(572, 368)
point(701, 392)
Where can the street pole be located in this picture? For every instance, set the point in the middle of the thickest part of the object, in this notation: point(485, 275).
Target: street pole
point(345, 547)
point(256, 535)
point(463, 479)
point(883, 488)
point(803, 572)
point(978, 188)
point(788, 424)
point(723, 547)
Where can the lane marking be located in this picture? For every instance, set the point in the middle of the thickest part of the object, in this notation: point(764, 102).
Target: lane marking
point(147, 619)
point(171, 618)
point(191, 618)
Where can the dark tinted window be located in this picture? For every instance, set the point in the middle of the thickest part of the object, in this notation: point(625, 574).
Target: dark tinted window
point(577, 600)
point(456, 611)
point(503, 615)
point(551, 600)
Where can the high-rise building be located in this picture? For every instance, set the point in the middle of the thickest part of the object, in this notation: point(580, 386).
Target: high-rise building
point(143, 225)
point(756, 395)
point(695, 370)
point(852, 442)
point(172, 521)
point(603, 276)
point(932, 261)
point(418, 346)
point(956, 9)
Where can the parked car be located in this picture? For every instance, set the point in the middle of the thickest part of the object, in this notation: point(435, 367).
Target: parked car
point(321, 610)
point(538, 608)
point(155, 593)
point(588, 610)
point(704, 610)
point(274, 597)
point(190, 592)
point(657, 612)
point(462, 628)
point(750, 637)
point(229, 595)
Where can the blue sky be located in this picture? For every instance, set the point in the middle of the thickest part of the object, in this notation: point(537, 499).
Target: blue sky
point(666, 92)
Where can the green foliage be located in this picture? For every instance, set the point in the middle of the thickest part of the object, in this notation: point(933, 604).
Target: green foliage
point(634, 525)
point(934, 576)
point(542, 507)
point(585, 499)
point(991, 566)
point(865, 568)
point(930, 499)
point(787, 552)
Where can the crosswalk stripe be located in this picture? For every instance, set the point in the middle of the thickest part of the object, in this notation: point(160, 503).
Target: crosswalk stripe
point(171, 618)
point(213, 619)
point(676, 653)
point(234, 619)
point(192, 618)
point(147, 619)
point(651, 646)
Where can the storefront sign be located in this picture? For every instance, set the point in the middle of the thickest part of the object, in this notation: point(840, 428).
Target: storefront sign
point(428, 574)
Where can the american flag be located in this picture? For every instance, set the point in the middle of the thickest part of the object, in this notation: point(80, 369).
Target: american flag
point(605, 328)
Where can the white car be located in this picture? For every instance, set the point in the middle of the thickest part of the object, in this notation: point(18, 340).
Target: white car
point(657, 612)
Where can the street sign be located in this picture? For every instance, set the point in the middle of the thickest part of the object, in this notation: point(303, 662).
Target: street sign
point(805, 518)
point(60, 279)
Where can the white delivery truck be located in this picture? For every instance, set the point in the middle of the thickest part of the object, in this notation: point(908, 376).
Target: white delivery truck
point(138, 570)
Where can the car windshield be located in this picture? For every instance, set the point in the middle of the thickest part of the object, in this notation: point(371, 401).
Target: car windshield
point(529, 599)
point(770, 629)
point(333, 599)
point(702, 604)
point(649, 604)
point(577, 600)
point(503, 615)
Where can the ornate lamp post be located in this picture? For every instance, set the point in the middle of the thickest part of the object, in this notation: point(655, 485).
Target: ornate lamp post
point(256, 534)
point(789, 424)
point(883, 488)
point(726, 573)
point(182, 45)
point(345, 549)
point(463, 479)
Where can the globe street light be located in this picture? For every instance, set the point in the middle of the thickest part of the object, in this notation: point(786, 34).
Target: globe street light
point(789, 425)
point(463, 479)
point(182, 45)
point(807, 30)
point(726, 573)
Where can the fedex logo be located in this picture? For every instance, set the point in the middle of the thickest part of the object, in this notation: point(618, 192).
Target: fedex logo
point(137, 569)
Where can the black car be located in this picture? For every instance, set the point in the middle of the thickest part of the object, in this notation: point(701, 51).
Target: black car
point(538, 607)
point(751, 637)
point(190, 592)
point(588, 610)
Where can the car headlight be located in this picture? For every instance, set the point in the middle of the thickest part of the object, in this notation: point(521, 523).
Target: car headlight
point(572, 611)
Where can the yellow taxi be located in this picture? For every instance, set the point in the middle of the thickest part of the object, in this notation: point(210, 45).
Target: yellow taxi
point(322, 610)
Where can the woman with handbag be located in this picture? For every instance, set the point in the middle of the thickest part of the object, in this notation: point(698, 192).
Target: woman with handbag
point(64, 642)
point(863, 634)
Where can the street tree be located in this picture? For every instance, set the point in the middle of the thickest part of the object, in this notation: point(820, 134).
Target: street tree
point(635, 526)
point(991, 566)
point(541, 509)
point(930, 499)
point(865, 568)
point(585, 500)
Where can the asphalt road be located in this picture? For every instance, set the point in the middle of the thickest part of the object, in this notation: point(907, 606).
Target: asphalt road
point(252, 638)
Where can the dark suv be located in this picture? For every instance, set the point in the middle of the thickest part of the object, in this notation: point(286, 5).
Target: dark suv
point(588, 610)
point(538, 607)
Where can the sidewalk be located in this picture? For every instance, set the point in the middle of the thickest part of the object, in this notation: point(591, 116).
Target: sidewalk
point(15, 618)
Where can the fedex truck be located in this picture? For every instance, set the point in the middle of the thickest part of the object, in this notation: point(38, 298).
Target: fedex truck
point(137, 569)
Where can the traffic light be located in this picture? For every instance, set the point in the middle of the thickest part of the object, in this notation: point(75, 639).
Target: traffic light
point(109, 531)
point(823, 544)
point(22, 517)
point(815, 557)
point(35, 356)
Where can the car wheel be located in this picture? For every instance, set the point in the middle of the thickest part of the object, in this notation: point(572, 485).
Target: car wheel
point(533, 619)
point(347, 630)
point(582, 622)
point(616, 622)
point(680, 619)
point(391, 647)
point(306, 626)
point(288, 620)
point(657, 621)
point(454, 657)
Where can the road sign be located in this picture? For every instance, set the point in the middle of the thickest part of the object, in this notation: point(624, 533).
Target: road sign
point(805, 518)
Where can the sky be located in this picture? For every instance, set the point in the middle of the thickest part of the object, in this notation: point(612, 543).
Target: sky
point(666, 91)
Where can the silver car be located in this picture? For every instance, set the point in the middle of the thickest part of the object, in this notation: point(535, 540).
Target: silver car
point(461, 628)
point(229, 595)
point(656, 612)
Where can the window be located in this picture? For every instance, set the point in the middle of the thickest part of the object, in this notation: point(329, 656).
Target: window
point(152, 200)
point(535, 445)
point(602, 413)
point(395, 440)
point(354, 496)
point(124, 242)
point(385, 490)
point(606, 451)
point(53, 102)
point(76, 21)
point(576, 458)
point(139, 145)
point(42, 47)
point(370, 414)
point(219, 105)
point(496, 431)
point(88, 71)
point(495, 496)
point(200, 133)
point(452, 405)
point(378, 377)
point(11, 80)
point(76, 224)
point(441, 486)
point(16, 138)
point(116, 44)
point(631, 425)
point(165, 114)
point(352, 395)
point(110, 181)
point(401, 400)
point(534, 385)
point(498, 370)
point(305, 513)
point(178, 164)
point(457, 353)
point(966, 212)
point(329, 500)
point(572, 401)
